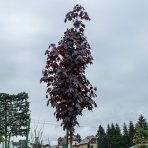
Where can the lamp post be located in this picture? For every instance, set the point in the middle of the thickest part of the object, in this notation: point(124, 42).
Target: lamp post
point(67, 133)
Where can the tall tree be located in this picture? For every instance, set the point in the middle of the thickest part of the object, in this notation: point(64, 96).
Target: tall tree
point(115, 136)
point(142, 121)
point(111, 136)
point(131, 133)
point(125, 136)
point(108, 135)
point(137, 137)
point(101, 138)
point(14, 115)
point(68, 89)
point(118, 136)
point(141, 131)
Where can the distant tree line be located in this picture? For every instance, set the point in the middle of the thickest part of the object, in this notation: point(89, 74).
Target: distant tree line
point(130, 135)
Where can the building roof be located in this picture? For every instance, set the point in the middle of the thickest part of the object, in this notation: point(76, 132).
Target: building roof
point(86, 140)
point(63, 140)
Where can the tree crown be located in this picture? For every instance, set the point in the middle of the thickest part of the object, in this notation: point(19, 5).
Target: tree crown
point(69, 91)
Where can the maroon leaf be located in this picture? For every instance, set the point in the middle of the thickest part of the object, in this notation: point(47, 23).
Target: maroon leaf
point(81, 29)
point(69, 89)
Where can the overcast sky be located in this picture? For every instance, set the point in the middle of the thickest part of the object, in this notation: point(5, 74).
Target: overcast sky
point(118, 35)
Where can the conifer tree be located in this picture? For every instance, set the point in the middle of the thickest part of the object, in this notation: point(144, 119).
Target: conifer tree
point(68, 89)
point(137, 137)
point(101, 138)
point(78, 138)
point(113, 135)
point(108, 135)
point(141, 131)
point(142, 121)
point(118, 136)
point(131, 133)
point(125, 135)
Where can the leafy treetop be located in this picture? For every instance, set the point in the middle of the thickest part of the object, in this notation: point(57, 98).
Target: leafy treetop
point(68, 89)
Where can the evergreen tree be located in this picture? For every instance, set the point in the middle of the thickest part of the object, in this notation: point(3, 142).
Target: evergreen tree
point(137, 137)
point(131, 133)
point(118, 136)
point(141, 131)
point(108, 135)
point(101, 138)
point(113, 137)
point(125, 140)
point(142, 121)
point(78, 138)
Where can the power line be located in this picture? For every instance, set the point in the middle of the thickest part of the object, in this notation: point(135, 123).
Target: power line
point(52, 123)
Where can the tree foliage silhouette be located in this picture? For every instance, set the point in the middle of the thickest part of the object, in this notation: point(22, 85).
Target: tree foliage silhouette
point(68, 89)
point(143, 122)
point(131, 133)
point(101, 138)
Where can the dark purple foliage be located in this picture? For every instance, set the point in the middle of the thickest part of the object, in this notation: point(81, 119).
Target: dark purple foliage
point(68, 89)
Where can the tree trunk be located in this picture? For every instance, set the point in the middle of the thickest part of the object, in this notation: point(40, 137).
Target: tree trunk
point(9, 137)
point(67, 133)
point(5, 141)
